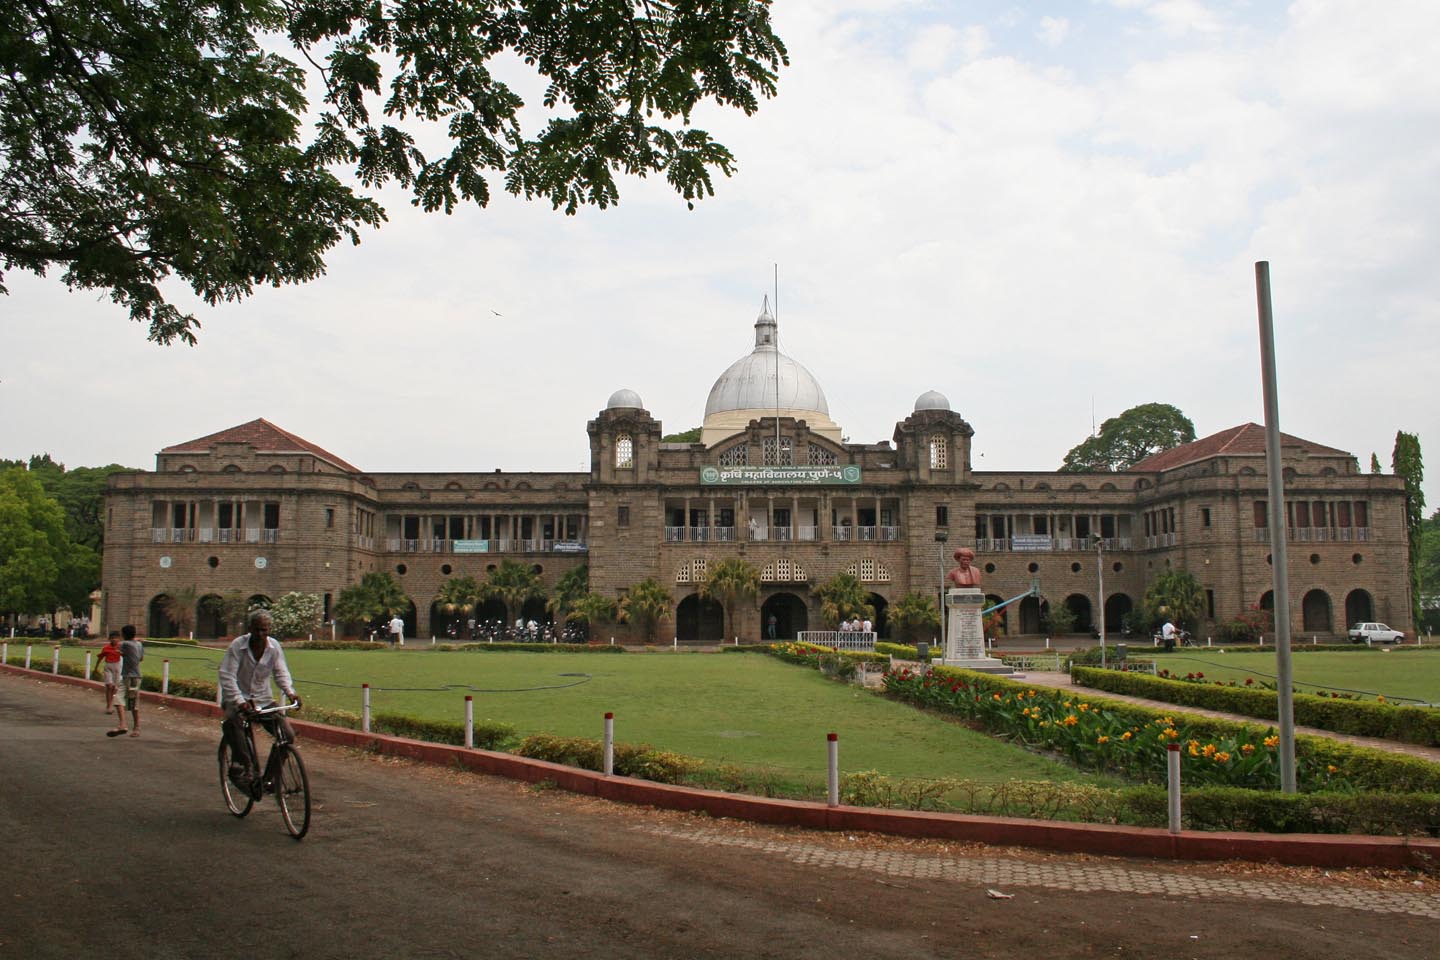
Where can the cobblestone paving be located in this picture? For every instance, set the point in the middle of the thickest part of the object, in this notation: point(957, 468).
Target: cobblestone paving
point(1108, 875)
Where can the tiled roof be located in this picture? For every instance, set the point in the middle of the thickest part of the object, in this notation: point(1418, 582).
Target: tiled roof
point(265, 437)
point(1248, 439)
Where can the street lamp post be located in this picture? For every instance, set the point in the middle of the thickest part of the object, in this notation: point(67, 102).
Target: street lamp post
point(940, 537)
point(1100, 605)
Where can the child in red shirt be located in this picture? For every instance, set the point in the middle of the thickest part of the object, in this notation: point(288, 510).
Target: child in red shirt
point(110, 661)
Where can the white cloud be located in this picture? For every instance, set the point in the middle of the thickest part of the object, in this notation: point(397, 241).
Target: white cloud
point(1053, 31)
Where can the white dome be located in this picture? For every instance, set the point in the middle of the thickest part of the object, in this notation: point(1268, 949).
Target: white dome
point(931, 400)
point(624, 398)
point(750, 383)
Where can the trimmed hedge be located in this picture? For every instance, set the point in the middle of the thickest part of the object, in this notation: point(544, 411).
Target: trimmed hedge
point(1419, 725)
point(462, 647)
point(638, 760)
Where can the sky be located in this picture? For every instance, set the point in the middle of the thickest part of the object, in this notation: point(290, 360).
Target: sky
point(1049, 212)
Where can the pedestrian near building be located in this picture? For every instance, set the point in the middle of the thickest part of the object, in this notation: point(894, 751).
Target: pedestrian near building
point(132, 651)
point(397, 630)
point(109, 664)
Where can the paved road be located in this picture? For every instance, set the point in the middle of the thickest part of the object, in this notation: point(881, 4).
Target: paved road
point(120, 848)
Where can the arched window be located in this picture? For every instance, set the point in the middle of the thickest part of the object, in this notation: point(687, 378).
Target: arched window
point(820, 457)
point(624, 451)
point(937, 452)
point(736, 456)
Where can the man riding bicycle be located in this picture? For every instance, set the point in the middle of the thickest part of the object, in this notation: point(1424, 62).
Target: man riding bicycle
point(245, 673)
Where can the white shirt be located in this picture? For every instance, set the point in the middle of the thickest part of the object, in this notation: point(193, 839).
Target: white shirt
point(867, 627)
point(1168, 631)
point(242, 677)
point(397, 625)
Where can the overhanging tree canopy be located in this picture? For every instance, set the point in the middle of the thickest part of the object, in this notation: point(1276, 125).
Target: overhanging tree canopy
point(1125, 440)
point(140, 141)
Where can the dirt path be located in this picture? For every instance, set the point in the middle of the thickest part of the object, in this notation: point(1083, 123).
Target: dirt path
point(121, 848)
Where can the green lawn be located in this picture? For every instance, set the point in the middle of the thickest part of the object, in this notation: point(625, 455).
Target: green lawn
point(748, 710)
point(1412, 674)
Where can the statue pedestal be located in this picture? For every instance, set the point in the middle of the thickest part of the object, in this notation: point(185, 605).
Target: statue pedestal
point(965, 637)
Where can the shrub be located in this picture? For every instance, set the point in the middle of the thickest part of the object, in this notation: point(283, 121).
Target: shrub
point(489, 734)
point(631, 760)
point(870, 788)
point(296, 615)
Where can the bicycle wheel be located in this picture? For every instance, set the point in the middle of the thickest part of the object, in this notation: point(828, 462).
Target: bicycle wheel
point(292, 790)
point(237, 801)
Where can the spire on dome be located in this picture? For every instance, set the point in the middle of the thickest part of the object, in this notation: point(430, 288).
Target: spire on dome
point(765, 327)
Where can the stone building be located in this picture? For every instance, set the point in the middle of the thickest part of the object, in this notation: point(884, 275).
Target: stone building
point(261, 511)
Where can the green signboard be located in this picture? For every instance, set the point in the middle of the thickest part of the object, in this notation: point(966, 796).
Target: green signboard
point(780, 476)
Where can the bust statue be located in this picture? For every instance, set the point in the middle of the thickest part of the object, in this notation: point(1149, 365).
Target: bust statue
point(966, 574)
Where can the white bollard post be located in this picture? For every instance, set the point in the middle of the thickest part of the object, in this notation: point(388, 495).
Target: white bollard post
point(309, 638)
point(332, 631)
point(1209, 642)
point(612, 641)
point(737, 641)
point(469, 722)
point(609, 765)
point(55, 662)
point(87, 665)
point(675, 644)
point(219, 693)
point(29, 648)
point(165, 677)
point(1173, 761)
point(832, 748)
point(365, 708)
point(192, 636)
point(1047, 643)
point(5, 652)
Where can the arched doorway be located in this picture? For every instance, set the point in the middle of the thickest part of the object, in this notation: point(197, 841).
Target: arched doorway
point(159, 623)
point(210, 617)
point(450, 624)
point(1359, 605)
point(1267, 602)
point(492, 612)
point(1031, 610)
point(791, 616)
point(881, 622)
point(534, 609)
point(1079, 606)
point(1118, 608)
point(1315, 609)
point(998, 622)
point(699, 620)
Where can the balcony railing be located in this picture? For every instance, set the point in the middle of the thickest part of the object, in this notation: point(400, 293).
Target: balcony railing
point(1041, 544)
point(494, 545)
point(1317, 534)
point(212, 535)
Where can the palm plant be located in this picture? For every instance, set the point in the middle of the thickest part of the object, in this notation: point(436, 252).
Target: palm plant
point(730, 581)
point(592, 609)
point(568, 591)
point(179, 607)
point(513, 583)
point(645, 605)
point(915, 613)
point(843, 597)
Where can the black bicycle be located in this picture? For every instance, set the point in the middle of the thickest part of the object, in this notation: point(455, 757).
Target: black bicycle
point(284, 775)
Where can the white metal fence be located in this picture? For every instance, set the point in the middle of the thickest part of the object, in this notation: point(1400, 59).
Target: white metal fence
point(839, 639)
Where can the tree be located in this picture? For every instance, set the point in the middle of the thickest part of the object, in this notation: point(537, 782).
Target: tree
point(684, 436)
point(1125, 440)
point(41, 569)
point(149, 140)
point(1175, 595)
point(230, 609)
point(1374, 463)
point(180, 607)
point(645, 605)
point(378, 594)
point(513, 583)
point(568, 590)
point(730, 581)
point(592, 609)
point(1429, 572)
point(915, 615)
point(1407, 464)
point(842, 597)
point(296, 614)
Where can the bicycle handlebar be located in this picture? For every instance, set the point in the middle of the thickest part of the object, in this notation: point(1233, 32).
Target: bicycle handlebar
point(270, 711)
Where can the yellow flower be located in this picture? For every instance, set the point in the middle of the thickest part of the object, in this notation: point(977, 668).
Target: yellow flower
point(1067, 704)
point(1209, 750)
point(995, 696)
point(1331, 768)
point(1170, 733)
point(1125, 735)
point(1222, 757)
point(1380, 698)
point(1102, 739)
point(1084, 707)
point(1044, 723)
point(1272, 742)
point(1248, 749)
point(1071, 720)
point(1194, 750)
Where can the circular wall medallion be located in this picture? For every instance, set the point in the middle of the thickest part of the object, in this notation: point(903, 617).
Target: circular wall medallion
point(709, 475)
point(851, 474)
point(165, 563)
point(260, 563)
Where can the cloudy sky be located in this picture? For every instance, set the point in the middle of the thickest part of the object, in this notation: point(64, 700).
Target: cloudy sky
point(1050, 212)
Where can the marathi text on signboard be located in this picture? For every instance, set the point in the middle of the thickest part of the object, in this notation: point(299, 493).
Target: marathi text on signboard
point(780, 476)
point(1029, 541)
point(472, 546)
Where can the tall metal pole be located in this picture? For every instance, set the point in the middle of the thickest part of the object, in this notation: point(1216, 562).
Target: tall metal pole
point(1100, 576)
point(1280, 569)
point(940, 537)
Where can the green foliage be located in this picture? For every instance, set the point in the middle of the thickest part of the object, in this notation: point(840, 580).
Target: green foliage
point(296, 614)
point(684, 436)
point(843, 597)
point(1407, 464)
point(1125, 440)
point(871, 788)
point(171, 140)
point(180, 607)
point(41, 568)
point(1374, 463)
point(378, 594)
point(568, 590)
point(645, 604)
point(514, 583)
point(460, 592)
point(1389, 721)
point(1057, 618)
point(1248, 627)
point(594, 610)
point(639, 760)
point(730, 581)
point(915, 616)
point(80, 493)
point(488, 734)
point(1175, 594)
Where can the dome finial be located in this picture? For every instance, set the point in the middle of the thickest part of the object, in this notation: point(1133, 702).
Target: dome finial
point(765, 327)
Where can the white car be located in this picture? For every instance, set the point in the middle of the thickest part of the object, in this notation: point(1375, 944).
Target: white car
point(1374, 633)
